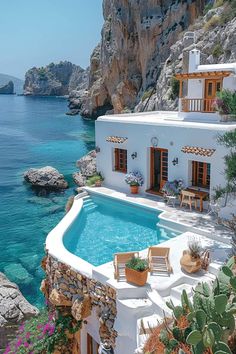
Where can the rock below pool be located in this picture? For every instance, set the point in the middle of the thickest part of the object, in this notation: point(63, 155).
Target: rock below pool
point(18, 273)
point(14, 309)
point(79, 179)
point(46, 178)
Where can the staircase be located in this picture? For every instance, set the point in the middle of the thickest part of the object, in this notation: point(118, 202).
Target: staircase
point(88, 204)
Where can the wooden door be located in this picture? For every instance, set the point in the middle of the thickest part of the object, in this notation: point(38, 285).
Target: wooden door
point(92, 345)
point(212, 86)
point(158, 169)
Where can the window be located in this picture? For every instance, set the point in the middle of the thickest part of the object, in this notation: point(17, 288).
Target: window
point(120, 160)
point(201, 172)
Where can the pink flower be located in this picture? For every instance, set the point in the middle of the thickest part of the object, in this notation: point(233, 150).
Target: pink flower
point(18, 343)
point(22, 327)
point(7, 350)
point(26, 345)
point(39, 326)
point(27, 336)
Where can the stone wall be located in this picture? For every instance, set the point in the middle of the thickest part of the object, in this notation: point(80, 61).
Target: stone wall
point(78, 295)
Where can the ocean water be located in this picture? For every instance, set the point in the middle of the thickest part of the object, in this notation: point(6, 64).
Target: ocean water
point(107, 226)
point(34, 132)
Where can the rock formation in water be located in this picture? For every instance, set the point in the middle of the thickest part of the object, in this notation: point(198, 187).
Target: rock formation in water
point(136, 39)
point(46, 178)
point(14, 309)
point(87, 167)
point(55, 79)
point(7, 89)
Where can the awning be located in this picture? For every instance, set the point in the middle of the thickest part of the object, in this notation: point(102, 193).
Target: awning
point(203, 75)
point(198, 151)
point(116, 139)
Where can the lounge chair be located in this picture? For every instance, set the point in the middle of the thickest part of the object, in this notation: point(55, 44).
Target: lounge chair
point(120, 259)
point(188, 198)
point(158, 260)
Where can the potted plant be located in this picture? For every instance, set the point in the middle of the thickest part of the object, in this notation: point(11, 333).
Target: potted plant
point(136, 271)
point(191, 259)
point(135, 180)
point(225, 104)
point(95, 180)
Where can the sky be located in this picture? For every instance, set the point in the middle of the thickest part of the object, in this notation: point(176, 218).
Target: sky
point(38, 32)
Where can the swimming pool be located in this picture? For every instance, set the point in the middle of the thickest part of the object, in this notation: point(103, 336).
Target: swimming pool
point(106, 226)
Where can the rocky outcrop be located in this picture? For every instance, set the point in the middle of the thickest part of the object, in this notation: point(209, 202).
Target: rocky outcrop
point(47, 178)
point(217, 45)
point(55, 79)
point(7, 89)
point(14, 309)
point(136, 38)
point(87, 167)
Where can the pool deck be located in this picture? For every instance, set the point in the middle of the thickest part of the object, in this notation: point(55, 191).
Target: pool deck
point(143, 306)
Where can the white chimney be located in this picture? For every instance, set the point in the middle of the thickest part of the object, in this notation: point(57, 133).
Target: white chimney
point(194, 60)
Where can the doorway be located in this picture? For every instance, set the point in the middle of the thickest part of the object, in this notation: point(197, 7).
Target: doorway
point(92, 345)
point(212, 86)
point(158, 169)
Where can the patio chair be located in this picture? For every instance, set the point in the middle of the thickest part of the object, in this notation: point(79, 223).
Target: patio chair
point(188, 199)
point(158, 260)
point(120, 259)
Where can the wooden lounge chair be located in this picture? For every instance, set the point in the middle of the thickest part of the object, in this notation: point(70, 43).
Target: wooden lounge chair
point(188, 198)
point(120, 259)
point(158, 260)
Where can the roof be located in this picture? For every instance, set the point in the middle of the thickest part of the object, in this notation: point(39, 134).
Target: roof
point(203, 75)
point(218, 67)
point(198, 151)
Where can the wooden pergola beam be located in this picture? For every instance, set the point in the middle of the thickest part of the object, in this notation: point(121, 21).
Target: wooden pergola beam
point(203, 75)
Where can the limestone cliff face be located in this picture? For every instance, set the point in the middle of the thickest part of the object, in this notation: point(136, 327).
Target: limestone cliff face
point(54, 79)
point(136, 38)
point(7, 89)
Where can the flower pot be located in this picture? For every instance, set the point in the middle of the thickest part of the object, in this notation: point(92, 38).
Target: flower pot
point(135, 277)
point(134, 189)
point(98, 183)
point(190, 264)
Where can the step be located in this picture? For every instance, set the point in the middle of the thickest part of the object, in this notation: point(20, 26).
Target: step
point(90, 208)
point(176, 292)
point(159, 304)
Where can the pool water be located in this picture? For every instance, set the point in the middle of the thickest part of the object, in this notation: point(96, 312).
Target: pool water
point(106, 226)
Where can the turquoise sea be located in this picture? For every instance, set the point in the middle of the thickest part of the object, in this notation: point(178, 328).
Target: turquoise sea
point(34, 132)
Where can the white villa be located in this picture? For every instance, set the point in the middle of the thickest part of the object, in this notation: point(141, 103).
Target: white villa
point(170, 145)
point(163, 146)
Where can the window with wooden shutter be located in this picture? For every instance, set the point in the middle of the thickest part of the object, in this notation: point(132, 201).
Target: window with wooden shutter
point(120, 159)
point(201, 174)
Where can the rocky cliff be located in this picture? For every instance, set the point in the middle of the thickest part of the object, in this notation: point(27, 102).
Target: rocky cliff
point(55, 79)
point(136, 39)
point(7, 89)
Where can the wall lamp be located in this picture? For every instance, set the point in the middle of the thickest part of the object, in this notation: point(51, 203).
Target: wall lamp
point(134, 155)
point(97, 149)
point(175, 161)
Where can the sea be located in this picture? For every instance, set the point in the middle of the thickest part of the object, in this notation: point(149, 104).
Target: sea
point(34, 132)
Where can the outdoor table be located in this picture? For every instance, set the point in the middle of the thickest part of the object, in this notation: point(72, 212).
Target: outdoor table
point(200, 195)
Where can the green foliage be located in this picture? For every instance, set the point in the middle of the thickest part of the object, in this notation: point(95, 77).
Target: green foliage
point(229, 12)
point(212, 23)
point(95, 178)
point(195, 247)
point(147, 94)
point(43, 333)
point(228, 98)
point(138, 264)
point(207, 7)
point(174, 84)
point(42, 73)
point(217, 51)
point(211, 316)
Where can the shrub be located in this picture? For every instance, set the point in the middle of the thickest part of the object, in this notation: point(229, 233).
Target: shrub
point(229, 12)
point(195, 247)
point(134, 178)
point(218, 3)
point(138, 264)
point(147, 94)
point(217, 51)
point(212, 23)
point(207, 7)
point(226, 102)
point(42, 334)
point(95, 178)
point(174, 84)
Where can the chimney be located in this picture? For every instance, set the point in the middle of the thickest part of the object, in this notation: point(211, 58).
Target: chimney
point(194, 60)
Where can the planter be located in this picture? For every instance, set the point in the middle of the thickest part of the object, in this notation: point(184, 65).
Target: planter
point(98, 183)
point(135, 277)
point(134, 189)
point(190, 264)
point(227, 117)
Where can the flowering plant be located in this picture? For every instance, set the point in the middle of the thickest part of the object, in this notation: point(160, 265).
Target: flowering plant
point(173, 187)
point(43, 333)
point(134, 178)
point(225, 103)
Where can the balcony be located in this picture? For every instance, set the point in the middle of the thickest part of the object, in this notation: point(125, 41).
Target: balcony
point(197, 105)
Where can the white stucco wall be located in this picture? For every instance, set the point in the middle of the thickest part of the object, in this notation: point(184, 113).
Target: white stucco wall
point(196, 88)
point(170, 137)
point(229, 83)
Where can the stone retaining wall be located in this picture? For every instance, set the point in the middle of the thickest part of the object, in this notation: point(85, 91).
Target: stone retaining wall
point(65, 287)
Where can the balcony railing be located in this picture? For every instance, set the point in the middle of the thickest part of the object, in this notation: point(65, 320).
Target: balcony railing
point(197, 105)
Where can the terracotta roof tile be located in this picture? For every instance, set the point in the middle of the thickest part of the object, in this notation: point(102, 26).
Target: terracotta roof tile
point(198, 151)
point(116, 139)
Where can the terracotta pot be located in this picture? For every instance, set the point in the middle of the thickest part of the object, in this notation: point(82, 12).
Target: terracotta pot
point(134, 189)
point(135, 277)
point(190, 264)
point(98, 183)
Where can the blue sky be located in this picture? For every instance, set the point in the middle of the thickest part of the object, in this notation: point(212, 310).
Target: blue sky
point(38, 32)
